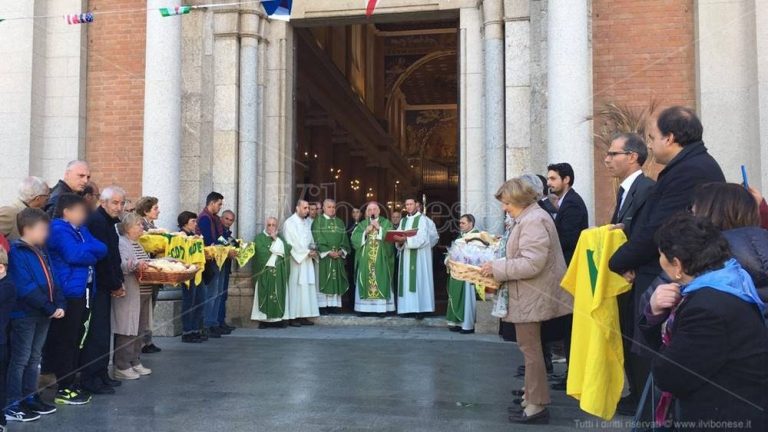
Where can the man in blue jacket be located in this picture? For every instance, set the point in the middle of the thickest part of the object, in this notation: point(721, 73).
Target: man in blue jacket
point(210, 227)
point(74, 253)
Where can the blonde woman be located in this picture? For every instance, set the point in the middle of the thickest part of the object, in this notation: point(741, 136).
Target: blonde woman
point(531, 271)
point(129, 313)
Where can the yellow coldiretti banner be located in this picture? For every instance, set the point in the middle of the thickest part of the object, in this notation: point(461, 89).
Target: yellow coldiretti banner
point(218, 253)
point(155, 244)
point(245, 253)
point(188, 250)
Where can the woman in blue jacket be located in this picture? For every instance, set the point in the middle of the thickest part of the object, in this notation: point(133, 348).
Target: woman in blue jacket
point(73, 253)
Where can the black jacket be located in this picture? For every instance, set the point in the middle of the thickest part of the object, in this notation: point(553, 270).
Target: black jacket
point(109, 275)
point(572, 218)
point(635, 198)
point(749, 246)
point(717, 359)
point(56, 192)
point(673, 193)
point(7, 302)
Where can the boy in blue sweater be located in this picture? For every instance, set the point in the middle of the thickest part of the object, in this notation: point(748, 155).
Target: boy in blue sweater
point(74, 253)
point(7, 300)
point(38, 300)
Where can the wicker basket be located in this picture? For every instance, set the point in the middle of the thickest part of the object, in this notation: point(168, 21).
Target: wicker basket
point(152, 276)
point(470, 273)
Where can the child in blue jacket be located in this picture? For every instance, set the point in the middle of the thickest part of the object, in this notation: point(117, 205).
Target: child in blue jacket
point(7, 300)
point(74, 253)
point(38, 300)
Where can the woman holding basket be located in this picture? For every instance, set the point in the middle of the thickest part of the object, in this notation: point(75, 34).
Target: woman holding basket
point(531, 271)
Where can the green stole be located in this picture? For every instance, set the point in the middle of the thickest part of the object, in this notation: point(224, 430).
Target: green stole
point(412, 253)
point(455, 311)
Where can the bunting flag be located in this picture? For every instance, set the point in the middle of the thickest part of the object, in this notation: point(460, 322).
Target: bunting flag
point(173, 11)
point(83, 18)
point(370, 7)
point(278, 9)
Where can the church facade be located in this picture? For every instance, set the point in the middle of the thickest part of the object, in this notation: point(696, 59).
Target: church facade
point(225, 98)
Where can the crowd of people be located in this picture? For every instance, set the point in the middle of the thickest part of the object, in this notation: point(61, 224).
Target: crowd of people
point(693, 320)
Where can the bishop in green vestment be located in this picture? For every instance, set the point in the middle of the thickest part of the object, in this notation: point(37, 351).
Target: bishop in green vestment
point(461, 295)
point(333, 247)
point(375, 263)
point(271, 271)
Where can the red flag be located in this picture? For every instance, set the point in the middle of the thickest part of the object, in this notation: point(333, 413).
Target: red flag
point(370, 8)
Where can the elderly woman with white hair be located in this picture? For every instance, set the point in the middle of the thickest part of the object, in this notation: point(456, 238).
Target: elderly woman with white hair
point(33, 192)
point(127, 313)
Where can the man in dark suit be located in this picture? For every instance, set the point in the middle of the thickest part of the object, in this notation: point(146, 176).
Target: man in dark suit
point(571, 217)
point(570, 220)
point(624, 160)
point(676, 143)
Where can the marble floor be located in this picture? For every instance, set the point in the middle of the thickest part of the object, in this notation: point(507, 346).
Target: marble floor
point(320, 378)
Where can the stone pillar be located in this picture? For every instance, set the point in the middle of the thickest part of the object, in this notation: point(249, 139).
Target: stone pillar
point(727, 75)
point(517, 77)
point(249, 123)
point(471, 129)
point(569, 74)
point(761, 29)
point(493, 13)
point(162, 112)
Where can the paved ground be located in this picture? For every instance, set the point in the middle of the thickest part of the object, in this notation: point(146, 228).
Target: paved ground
point(319, 379)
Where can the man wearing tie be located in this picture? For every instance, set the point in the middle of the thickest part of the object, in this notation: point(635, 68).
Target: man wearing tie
point(624, 161)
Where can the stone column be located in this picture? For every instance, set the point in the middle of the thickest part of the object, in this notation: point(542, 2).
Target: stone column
point(517, 77)
point(569, 74)
point(162, 112)
point(471, 149)
point(493, 14)
point(249, 124)
point(761, 28)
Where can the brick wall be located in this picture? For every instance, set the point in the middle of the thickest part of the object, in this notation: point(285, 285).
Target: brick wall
point(642, 50)
point(115, 95)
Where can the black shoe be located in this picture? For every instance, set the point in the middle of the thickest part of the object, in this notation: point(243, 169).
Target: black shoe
point(18, 413)
point(109, 382)
point(294, 323)
point(454, 328)
point(520, 371)
point(419, 316)
point(627, 406)
point(229, 327)
point(96, 387)
point(548, 362)
point(325, 311)
point(541, 417)
point(282, 324)
point(518, 393)
point(263, 325)
point(518, 401)
point(150, 349)
point(36, 405)
point(224, 330)
point(560, 385)
point(467, 331)
point(203, 334)
point(191, 338)
point(213, 333)
point(305, 322)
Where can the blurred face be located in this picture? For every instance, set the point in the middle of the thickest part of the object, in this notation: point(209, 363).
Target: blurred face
point(271, 226)
point(329, 208)
point(228, 219)
point(77, 177)
point(661, 146)
point(154, 213)
point(556, 184)
point(372, 211)
point(76, 215)
point(396, 217)
point(36, 234)
point(465, 225)
point(114, 206)
point(215, 207)
point(312, 210)
point(191, 225)
point(134, 231)
point(129, 207)
point(410, 206)
point(302, 209)
point(618, 163)
point(356, 214)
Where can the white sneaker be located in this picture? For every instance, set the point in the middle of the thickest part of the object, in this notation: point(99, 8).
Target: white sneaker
point(141, 370)
point(127, 374)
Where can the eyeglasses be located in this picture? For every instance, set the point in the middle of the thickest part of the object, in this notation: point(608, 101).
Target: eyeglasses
point(611, 154)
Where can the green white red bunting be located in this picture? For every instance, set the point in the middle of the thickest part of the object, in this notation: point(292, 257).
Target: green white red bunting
point(173, 11)
point(371, 5)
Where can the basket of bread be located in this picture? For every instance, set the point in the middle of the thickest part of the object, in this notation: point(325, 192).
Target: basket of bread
point(468, 253)
point(166, 271)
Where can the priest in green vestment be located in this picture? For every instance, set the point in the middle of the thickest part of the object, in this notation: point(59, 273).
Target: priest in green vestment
point(271, 271)
point(461, 295)
point(375, 263)
point(333, 247)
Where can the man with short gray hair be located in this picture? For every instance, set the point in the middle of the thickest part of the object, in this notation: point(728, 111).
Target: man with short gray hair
point(76, 177)
point(33, 192)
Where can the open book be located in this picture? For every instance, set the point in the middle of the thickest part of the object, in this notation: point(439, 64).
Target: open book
point(394, 233)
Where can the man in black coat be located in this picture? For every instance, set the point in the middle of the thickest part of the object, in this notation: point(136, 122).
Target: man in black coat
point(94, 357)
point(76, 177)
point(676, 143)
point(624, 160)
point(571, 217)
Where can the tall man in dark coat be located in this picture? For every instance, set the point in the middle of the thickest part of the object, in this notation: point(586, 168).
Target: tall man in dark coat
point(94, 357)
point(624, 160)
point(676, 143)
point(76, 177)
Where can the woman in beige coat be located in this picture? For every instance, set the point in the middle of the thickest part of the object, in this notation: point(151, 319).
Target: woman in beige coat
point(127, 310)
point(532, 271)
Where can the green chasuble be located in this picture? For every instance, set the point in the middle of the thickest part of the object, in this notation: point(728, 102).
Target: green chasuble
point(272, 281)
point(330, 236)
point(375, 261)
point(455, 311)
